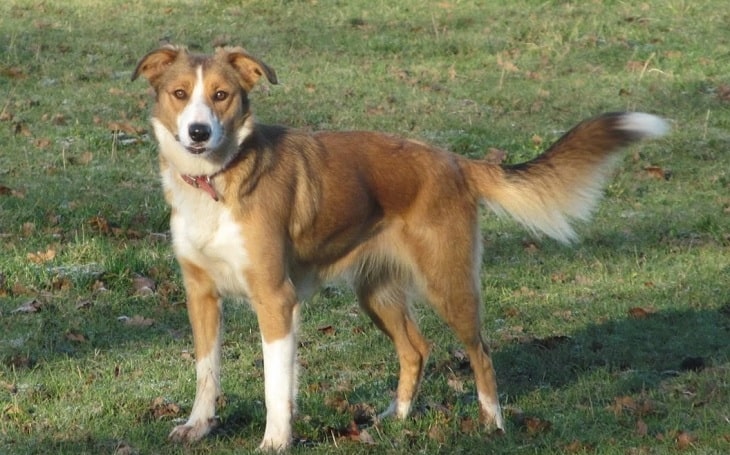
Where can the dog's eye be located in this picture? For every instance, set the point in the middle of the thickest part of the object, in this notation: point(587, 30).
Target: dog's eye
point(220, 95)
point(180, 94)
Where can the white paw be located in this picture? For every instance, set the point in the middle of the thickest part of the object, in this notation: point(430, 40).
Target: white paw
point(192, 432)
point(397, 409)
point(274, 444)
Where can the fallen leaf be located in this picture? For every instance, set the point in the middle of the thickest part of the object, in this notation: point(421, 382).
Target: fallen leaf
point(31, 306)
point(723, 92)
point(495, 156)
point(161, 408)
point(535, 425)
point(641, 312)
point(123, 448)
point(84, 304)
point(42, 142)
point(75, 336)
point(642, 429)
point(99, 223)
point(456, 384)
point(40, 257)
point(550, 342)
point(326, 330)
point(685, 440)
point(437, 433)
point(9, 387)
point(13, 72)
point(136, 321)
point(577, 447)
point(365, 437)
point(82, 159)
point(143, 285)
point(658, 173)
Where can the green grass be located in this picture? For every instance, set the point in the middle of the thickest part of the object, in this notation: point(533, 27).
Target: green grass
point(616, 345)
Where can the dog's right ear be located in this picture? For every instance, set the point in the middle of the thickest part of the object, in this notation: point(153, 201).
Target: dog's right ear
point(154, 64)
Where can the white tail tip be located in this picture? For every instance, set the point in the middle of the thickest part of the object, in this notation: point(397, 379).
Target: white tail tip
point(647, 125)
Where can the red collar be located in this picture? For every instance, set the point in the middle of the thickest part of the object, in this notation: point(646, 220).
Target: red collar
point(203, 182)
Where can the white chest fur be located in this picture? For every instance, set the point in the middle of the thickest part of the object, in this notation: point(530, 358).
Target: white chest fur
point(205, 232)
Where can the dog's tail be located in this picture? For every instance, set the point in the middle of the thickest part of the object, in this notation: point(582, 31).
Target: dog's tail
point(566, 182)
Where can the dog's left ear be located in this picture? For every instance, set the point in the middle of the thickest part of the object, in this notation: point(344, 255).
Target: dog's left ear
point(249, 67)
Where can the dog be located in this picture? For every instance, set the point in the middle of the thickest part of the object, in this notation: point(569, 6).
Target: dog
point(269, 213)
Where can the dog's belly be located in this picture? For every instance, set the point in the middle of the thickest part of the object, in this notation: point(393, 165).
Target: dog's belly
point(215, 242)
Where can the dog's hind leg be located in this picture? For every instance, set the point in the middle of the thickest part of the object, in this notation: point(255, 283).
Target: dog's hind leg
point(385, 300)
point(448, 261)
point(204, 311)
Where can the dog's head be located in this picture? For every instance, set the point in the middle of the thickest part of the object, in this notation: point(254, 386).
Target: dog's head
point(202, 100)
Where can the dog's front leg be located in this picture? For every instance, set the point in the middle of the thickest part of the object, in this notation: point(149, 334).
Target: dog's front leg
point(277, 312)
point(204, 311)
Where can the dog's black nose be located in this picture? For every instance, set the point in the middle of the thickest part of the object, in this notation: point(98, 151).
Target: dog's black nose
point(199, 132)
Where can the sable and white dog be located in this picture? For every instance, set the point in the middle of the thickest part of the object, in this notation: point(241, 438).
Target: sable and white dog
point(268, 213)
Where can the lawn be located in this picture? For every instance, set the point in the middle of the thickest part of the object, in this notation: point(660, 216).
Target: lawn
point(619, 344)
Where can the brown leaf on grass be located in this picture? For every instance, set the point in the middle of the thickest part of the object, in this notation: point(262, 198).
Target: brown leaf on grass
point(326, 330)
point(530, 246)
point(495, 156)
point(143, 285)
point(468, 425)
point(9, 387)
point(551, 342)
point(628, 405)
point(82, 159)
point(6, 116)
point(658, 173)
point(31, 306)
point(5, 190)
point(21, 128)
point(642, 429)
point(437, 433)
point(160, 408)
point(123, 448)
point(506, 65)
point(13, 72)
point(577, 447)
point(61, 283)
point(685, 440)
point(455, 384)
point(76, 336)
point(723, 92)
point(100, 224)
point(136, 321)
point(42, 142)
point(19, 361)
point(641, 312)
point(125, 127)
point(40, 257)
point(534, 425)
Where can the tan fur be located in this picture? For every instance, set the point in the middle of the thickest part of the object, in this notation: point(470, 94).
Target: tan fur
point(396, 217)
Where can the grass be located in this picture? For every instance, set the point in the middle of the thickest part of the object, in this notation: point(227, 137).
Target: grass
point(616, 345)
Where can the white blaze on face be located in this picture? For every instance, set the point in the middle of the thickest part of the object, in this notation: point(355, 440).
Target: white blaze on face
point(199, 112)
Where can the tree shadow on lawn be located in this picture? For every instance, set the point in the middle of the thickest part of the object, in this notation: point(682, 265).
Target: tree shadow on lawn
point(639, 352)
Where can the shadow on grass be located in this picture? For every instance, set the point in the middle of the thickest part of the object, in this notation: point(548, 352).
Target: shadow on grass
point(639, 353)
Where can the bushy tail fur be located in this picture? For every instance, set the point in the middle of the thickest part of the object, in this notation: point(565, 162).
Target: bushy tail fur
point(566, 182)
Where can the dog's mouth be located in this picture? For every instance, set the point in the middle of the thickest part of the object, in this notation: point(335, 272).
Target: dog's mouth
point(196, 149)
